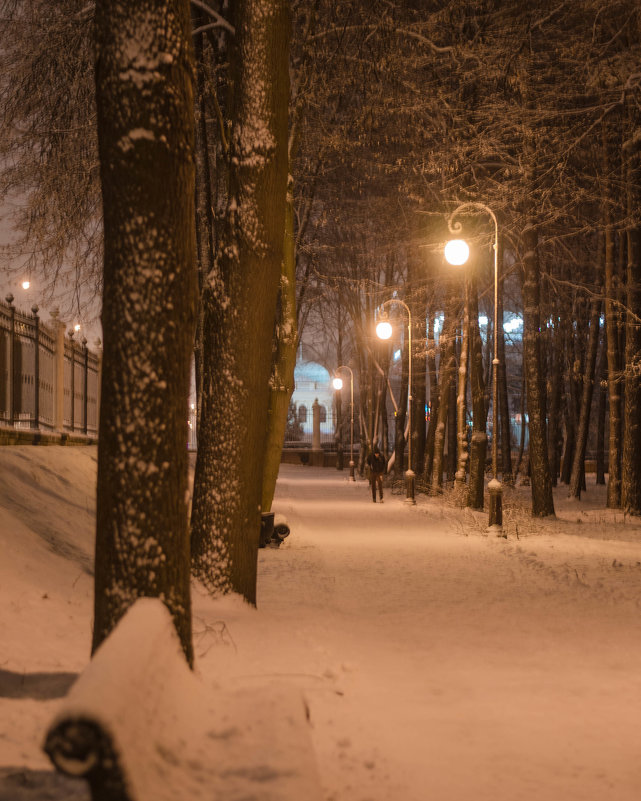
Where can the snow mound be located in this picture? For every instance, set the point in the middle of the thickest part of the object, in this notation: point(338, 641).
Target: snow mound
point(172, 736)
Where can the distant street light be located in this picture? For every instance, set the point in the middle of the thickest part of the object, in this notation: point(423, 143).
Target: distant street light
point(456, 253)
point(338, 384)
point(384, 331)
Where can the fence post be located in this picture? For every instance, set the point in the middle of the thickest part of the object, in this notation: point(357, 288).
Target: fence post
point(98, 345)
point(73, 379)
point(36, 368)
point(86, 386)
point(59, 372)
point(10, 376)
point(316, 436)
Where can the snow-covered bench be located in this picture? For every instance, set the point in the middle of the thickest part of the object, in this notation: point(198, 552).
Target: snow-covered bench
point(140, 726)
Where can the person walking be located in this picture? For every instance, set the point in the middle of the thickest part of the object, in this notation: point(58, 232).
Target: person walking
point(376, 464)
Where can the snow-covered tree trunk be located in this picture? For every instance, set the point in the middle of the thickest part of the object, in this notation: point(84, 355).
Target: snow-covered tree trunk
point(542, 501)
point(239, 302)
point(144, 93)
point(478, 445)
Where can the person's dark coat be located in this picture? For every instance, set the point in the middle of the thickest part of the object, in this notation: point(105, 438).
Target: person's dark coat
point(376, 462)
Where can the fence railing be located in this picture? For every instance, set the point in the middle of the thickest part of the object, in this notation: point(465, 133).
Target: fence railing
point(47, 379)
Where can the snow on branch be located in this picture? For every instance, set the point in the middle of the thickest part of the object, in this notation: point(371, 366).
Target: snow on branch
point(219, 21)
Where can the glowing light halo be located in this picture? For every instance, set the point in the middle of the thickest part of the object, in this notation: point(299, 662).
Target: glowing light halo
point(338, 383)
point(457, 252)
point(384, 329)
point(26, 284)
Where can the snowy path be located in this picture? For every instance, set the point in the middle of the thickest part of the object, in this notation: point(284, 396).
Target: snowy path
point(449, 667)
point(438, 664)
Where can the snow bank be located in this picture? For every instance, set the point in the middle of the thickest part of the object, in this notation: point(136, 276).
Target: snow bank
point(172, 736)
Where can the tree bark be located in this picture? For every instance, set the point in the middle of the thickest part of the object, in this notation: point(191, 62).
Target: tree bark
point(146, 142)
point(478, 446)
point(504, 402)
point(601, 409)
point(631, 463)
point(428, 461)
point(447, 366)
point(612, 326)
point(240, 307)
point(461, 406)
point(281, 384)
point(556, 381)
point(578, 465)
point(542, 501)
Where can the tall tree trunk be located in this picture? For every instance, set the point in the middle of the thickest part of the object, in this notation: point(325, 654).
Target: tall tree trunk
point(281, 385)
point(401, 417)
point(478, 446)
point(556, 381)
point(204, 198)
point(504, 403)
point(240, 307)
point(612, 325)
point(146, 146)
point(461, 405)
point(446, 369)
point(601, 409)
point(428, 462)
point(542, 501)
point(519, 458)
point(631, 463)
point(452, 427)
point(578, 466)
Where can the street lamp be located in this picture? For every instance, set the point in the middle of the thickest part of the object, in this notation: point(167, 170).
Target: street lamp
point(457, 253)
point(384, 331)
point(338, 384)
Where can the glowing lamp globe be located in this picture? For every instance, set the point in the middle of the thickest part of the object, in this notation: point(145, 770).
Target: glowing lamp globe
point(457, 252)
point(338, 383)
point(26, 284)
point(384, 329)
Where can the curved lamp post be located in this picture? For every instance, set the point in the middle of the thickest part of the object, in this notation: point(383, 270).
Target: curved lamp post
point(456, 253)
point(384, 331)
point(338, 384)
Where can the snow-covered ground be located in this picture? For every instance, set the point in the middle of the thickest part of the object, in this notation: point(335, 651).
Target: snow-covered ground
point(437, 663)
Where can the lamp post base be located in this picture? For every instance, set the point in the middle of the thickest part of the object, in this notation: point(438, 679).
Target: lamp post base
point(495, 524)
point(352, 477)
point(409, 486)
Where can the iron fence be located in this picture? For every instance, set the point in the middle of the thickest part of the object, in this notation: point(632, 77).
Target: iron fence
point(47, 380)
